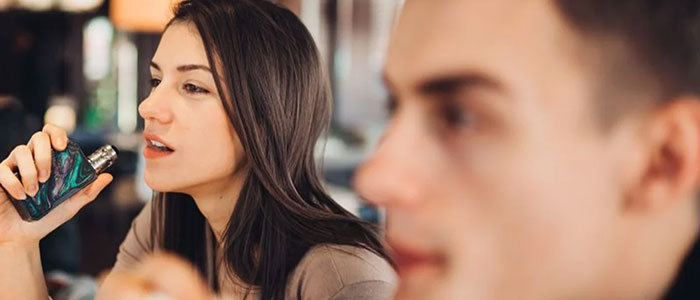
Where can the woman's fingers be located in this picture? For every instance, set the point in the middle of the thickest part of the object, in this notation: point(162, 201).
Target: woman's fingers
point(58, 136)
point(10, 183)
point(32, 162)
point(40, 145)
point(123, 286)
point(173, 276)
point(159, 277)
point(23, 159)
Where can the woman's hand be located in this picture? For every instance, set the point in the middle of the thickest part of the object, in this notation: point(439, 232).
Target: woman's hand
point(160, 276)
point(21, 275)
point(33, 162)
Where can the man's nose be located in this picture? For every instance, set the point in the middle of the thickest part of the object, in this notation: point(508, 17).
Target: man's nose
point(396, 172)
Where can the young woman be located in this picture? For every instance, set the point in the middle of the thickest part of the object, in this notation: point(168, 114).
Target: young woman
point(237, 104)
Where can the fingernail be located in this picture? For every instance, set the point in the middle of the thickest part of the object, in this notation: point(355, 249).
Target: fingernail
point(44, 176)
point(32, 189)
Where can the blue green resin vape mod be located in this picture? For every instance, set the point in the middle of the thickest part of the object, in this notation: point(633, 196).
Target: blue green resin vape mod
point(71, 171)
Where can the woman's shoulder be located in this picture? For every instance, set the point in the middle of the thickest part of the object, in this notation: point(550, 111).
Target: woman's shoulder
point(137, 243)
point(330, 271)
point(352, 263)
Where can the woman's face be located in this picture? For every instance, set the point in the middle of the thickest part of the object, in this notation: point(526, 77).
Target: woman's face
point(185, 113)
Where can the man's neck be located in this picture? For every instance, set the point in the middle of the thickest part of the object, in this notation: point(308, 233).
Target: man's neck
point(654, 250)
point(685, 285)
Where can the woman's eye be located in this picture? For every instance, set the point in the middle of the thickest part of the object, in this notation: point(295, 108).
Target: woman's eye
point(155, 82)
point(193, 89)
point(391, 105)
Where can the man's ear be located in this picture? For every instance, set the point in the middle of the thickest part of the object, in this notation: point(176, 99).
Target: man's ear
point(671, 171)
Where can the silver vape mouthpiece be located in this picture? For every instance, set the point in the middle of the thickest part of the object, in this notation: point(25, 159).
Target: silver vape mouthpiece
point(102, 158)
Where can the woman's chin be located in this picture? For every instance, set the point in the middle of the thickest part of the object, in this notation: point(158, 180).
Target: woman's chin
point(163, 186)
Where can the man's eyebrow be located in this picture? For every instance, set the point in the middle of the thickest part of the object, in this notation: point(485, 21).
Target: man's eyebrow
point(452, 83)
point(449, 83)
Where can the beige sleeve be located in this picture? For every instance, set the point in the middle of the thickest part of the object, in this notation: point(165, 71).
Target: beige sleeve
point(334, 272)
point(137, 243)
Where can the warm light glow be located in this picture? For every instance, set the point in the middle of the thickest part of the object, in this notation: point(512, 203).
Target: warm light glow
point(97, 43)
point(139, 15)
point(62, 115)
point(79, 5)
point(127, 95)
point(36, 5)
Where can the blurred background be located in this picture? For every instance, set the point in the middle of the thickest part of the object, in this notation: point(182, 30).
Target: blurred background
point(83, 65)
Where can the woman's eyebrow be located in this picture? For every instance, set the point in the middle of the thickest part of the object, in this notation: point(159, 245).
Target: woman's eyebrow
point(184, 68)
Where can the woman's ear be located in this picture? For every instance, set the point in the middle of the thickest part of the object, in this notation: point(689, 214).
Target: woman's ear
point(671, 170)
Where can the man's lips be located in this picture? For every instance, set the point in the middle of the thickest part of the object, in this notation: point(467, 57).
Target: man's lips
point(408, 259)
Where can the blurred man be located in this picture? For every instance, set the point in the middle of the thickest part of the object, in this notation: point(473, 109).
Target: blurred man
point(542, 149)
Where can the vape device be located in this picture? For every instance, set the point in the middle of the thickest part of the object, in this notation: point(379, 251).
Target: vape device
point(71, 171)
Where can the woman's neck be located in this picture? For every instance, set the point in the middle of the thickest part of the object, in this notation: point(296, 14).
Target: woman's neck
point(216, 200)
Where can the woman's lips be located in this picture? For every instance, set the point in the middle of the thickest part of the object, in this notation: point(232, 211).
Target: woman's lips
point(152, 138)
point(150, 152)
point(156, 147)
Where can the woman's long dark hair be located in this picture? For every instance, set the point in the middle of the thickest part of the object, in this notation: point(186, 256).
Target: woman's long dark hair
point(277, 98)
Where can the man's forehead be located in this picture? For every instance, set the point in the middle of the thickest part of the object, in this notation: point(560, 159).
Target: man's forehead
point(444, 36)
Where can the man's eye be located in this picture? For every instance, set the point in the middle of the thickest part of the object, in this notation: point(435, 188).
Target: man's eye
point(453, 116)
point(456, 116)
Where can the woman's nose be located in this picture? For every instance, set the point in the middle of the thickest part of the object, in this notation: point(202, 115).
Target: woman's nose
point(156, 108)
